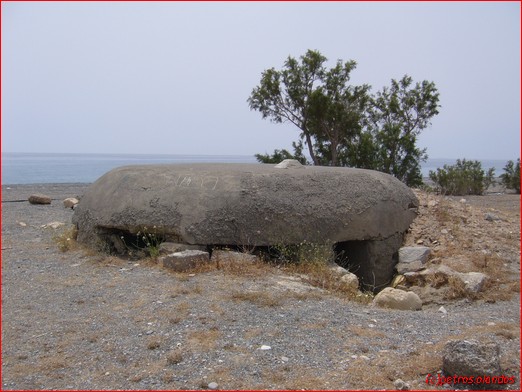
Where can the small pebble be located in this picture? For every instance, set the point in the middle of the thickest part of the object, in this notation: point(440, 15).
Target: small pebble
point(213, 385)
point(263, 347)
point(443, 310)
point(285, 359)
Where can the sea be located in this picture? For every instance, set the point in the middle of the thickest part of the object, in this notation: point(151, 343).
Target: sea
point(48, 168)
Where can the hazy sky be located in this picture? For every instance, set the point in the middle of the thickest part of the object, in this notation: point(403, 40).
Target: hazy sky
point(173, 78)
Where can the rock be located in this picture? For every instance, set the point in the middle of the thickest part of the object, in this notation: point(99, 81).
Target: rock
point(397, 299)
point(53, 225)
point(439, 276)
point(491, 217)
point(432, 203)
point(473, 281)
point(70, 202)
point(471, 358)
point(463, 201)
point(362, 211)
point(347, 279)
point(223, 257)
point(350, 281)
point(398, 280)
point(166, 248)
point(412, 258)
point(401, 385)
point(289, 164)
point(264, 347)
point(23, 224)
point(213, 385)
point(183, 261)
point(38, 198)
point(443, 310)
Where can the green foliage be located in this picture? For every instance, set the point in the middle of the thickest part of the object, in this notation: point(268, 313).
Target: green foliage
point(305, 253)
point(511, 176)
point(396, 118)
point(280, 155)
point(344, 125)
point(144, 240)
point(464, 178)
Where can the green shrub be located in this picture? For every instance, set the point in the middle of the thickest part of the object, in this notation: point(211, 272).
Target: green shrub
point(463, 178)
point(511, 177)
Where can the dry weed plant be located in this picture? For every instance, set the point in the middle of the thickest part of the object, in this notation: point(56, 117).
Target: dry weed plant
point(259, 298)
point(457, 290)
point(174, 357)
point(153, 343)
point(203, 340)
point(66, 240)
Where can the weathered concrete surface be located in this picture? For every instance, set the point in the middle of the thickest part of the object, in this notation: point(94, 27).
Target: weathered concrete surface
point(246, 204)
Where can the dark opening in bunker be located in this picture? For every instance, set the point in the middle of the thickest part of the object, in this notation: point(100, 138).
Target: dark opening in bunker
point(368, 260)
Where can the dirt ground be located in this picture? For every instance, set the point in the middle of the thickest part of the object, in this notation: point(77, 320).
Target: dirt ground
point(82, 320)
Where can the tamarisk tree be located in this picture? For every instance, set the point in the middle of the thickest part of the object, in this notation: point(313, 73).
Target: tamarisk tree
point(344, 125)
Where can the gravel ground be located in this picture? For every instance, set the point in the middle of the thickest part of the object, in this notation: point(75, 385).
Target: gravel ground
point(81, 320)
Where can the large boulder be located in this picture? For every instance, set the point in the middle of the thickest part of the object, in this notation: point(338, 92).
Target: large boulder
point(253, 205)
point(471, 358)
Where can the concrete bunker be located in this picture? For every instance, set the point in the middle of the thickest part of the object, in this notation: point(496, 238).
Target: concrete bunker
point(362, 212)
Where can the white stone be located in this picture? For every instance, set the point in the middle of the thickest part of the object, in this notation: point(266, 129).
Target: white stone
point(473, 281)
point(70, 202)
point(53, 225)
point(213, 385)
point(264, 347)
point(397, 299)
point(442, 309)
point(350, 280)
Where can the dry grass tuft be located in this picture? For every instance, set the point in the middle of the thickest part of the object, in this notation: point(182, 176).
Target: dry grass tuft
point(250, 269)
point(457, 289)
point(204, 340)
point(67, 239)
point(259, 298)
point(153, 344)
point(174, 357)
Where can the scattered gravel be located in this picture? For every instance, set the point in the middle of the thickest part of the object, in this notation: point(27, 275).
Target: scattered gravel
point(81, 320)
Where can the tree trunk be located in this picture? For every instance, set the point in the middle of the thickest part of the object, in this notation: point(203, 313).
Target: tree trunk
point(310, 148)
